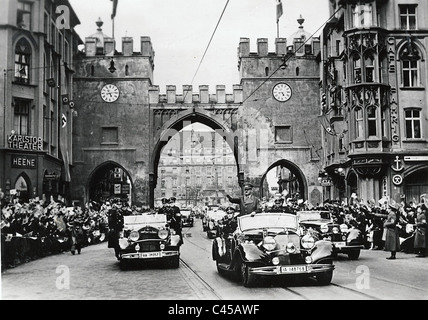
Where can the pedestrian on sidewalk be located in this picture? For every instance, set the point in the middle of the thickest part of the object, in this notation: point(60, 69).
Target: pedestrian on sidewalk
point(392, 239)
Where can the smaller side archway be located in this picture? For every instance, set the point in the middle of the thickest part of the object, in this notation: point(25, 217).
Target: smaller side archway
point(295, 179)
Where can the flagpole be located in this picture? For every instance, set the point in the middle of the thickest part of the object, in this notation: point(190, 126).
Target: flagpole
point(112, 22)
point(277, 28)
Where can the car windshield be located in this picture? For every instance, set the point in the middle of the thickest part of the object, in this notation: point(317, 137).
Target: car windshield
point(266, 220)
point(313, 215)
point(185, 213)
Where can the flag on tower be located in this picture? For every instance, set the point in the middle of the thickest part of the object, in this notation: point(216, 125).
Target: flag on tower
point(279, 11)
point(114, 9)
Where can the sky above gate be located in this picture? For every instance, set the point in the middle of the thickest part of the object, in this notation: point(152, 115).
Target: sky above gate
point(192, 45)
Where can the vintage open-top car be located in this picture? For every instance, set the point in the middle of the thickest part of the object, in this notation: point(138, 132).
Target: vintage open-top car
point(187, 217)
point(345, 239)
point(146, 238)
point(270, 244)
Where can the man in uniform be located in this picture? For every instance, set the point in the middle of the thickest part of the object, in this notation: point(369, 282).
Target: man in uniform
point(249, 204)
point(164, 208)
point(174, 218)
point(115, 223)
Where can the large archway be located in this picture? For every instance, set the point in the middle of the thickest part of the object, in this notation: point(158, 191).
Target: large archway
point(290, 179)
point(176, 126)
point(110, 181)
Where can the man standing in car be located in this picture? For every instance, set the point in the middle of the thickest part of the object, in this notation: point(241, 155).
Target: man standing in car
point(248, 203)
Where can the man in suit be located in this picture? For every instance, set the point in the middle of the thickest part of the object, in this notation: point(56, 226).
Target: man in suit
point(249, 204)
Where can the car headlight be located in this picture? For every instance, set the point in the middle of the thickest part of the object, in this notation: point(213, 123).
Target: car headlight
point(291, 248)
point(134, 236)
point(163, 234)
point(308, 241)
point(343, 228)
point(324, 228)
point(269, 243)
point(335, 230)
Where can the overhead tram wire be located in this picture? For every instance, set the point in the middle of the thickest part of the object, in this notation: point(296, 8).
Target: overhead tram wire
point(209, 43)
point(282, 64)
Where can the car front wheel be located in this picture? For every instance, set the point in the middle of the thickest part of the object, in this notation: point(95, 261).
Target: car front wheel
point(247, 278)
point(354, 255)
point(324, 279)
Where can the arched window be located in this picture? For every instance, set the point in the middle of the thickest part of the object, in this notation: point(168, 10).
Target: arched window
point(369, 68)
point(357, 69)
point(359, 123)
point(410, 58)
point(22, 61)
point(372, 121)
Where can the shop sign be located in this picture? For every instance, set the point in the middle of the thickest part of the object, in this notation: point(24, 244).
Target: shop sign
point(126, 188)
point(24, 162)
point(51, 176)
point(416, 158)
point(30, 143)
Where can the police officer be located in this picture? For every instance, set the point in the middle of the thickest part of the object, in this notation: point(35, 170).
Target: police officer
point(229, 222)
point(164, 208)
point(115, 223)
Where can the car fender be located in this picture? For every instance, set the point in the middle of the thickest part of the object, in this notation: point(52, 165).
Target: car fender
point(250, 252)
point(354, 234)
point(322, 249)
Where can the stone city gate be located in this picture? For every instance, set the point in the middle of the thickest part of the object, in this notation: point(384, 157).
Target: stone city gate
point(121, 118)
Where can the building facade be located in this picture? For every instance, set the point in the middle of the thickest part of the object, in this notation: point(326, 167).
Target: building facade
point(124, 124)
point(374, 100)
point(37, 45)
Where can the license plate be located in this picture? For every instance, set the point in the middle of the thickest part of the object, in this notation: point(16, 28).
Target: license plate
point(293, 269)
point(146, 255)
point(340, 244)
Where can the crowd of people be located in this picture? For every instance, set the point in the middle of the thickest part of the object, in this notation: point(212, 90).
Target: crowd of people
point(385, 225)
point(37, 228)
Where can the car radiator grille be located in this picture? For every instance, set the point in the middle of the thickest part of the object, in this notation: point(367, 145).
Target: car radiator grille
point(147, 247)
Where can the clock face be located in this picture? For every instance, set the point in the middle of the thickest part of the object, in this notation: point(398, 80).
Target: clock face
point(281, 92)
point(110, 93)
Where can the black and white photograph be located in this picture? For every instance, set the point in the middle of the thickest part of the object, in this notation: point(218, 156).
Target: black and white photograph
point(213, 155)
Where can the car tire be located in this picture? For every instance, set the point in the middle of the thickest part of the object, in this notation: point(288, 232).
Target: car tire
point(247, 279)
point(123, 265)
point(354, 254)
point(220, 271)
point(174, 263)
point(325, 278)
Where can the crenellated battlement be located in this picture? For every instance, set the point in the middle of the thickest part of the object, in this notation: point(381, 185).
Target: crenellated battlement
point(297, 47)
point(201, 97)
point(106, 46)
